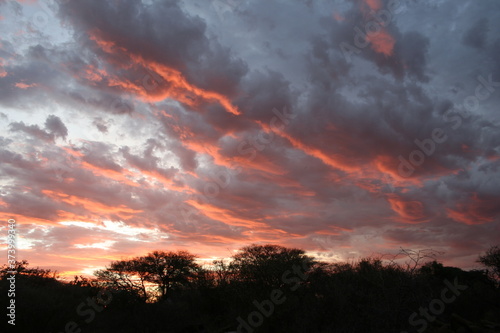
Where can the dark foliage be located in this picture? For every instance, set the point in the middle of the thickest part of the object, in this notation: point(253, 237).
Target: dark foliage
point(291, 291)
point(491, 259)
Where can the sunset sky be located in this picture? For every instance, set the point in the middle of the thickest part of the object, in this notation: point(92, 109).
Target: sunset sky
point(345, 128)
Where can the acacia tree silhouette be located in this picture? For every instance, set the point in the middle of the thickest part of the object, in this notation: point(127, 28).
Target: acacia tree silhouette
point(153, 275)
point(124, 275)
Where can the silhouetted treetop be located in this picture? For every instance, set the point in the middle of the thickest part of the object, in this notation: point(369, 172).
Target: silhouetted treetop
point(266, 264)
point(162, 271)
point(491, 259)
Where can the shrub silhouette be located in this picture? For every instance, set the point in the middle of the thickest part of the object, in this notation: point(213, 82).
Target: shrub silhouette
point(370, 295)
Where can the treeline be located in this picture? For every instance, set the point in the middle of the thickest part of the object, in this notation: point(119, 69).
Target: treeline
point(261, 289)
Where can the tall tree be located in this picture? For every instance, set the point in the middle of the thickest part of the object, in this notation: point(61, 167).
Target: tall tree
point(269, 264)
point(169, 270)
point(152, 275)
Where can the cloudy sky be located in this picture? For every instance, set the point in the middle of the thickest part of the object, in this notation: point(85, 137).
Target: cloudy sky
point(346, 128)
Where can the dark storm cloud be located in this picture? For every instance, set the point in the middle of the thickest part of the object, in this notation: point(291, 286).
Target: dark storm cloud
point(163, 33)
point(401, 54)
point(19, 87)
point(477, 35)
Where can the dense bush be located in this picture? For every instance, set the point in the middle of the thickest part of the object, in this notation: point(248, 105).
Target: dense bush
point(367, 296)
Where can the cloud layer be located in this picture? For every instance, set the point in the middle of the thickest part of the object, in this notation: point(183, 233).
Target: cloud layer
point(346, 128)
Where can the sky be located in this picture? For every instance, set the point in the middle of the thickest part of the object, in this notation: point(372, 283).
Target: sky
point(345, 128)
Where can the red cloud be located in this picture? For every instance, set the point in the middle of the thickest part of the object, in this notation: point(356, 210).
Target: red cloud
point(381, 42)
point(475, 211)
point(374, 4)
point(410, 211)
point(22, 85)
point(173, 83)
point(224, 215)
point(90, 206)
point(25, 219)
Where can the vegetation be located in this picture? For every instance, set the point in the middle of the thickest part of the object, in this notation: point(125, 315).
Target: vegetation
point(491, 259)
point(266, 288)
point(160, 271)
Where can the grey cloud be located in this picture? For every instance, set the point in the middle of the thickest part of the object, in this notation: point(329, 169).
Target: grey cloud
point(32, 130)
point(100, 124)
point(56, 127)
point(477, 35)
point(163, 33)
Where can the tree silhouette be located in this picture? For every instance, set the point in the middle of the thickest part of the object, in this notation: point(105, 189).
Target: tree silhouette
point(124, 275)
point(169, 270)
point(21, 267)
point(491, 259)
point(158, 271)
point(266, 264)
point(169, 292)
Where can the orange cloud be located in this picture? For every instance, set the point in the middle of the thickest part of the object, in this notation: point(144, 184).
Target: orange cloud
point(409, 211)
point(175, 85)
point(123, 176)
point(92, 206)
point(92, 73)
point(166, 182)
point(315, 152)
point(287, 184)
point(175, 77)
point(63, 216)
point(260, 163)
point(374, 4)
point(389, 175)
point(475, 211)
point(24, 219)
point(224, 215)
point(3, 73)
point(24, 85)
point(381, 42)
point(333, 231)
point(120, 177)
point(338, 17)
point(191, 141)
